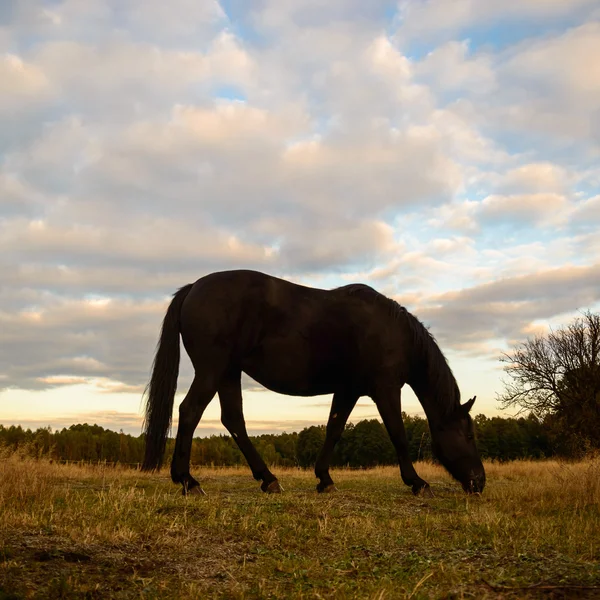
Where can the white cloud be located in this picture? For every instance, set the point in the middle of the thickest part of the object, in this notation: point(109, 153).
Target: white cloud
point(560, 65)
point(32, 240)
point(458, 216)
point(125, 79)
point(388, 60)
point(22, 84)
point(540, 95)
point(453, 132)
point(537, 178)
point(524, 209)
point(297, 138)
point(516, 210)
point(181, 18)
point(450, 67)
point(551, 87)
point(338, 244)
point(587, 213)
point(185, 21)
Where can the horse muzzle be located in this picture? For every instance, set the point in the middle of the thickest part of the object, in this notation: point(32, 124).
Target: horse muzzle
point(475, 484)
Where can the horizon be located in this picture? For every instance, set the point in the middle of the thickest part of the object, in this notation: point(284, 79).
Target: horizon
point(214, 428)
point(443, 152)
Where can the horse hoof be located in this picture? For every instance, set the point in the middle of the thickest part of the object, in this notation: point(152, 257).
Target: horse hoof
point(273, 488)
point(424, 491)
point(195, 491)
point(329, 489)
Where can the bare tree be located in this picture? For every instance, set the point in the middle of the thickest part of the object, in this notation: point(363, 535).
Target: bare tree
point(558, 376)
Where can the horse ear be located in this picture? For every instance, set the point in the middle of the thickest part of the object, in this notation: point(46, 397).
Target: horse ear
point(468, 405)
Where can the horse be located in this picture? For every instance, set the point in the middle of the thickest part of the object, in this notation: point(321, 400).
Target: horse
point(350, 341)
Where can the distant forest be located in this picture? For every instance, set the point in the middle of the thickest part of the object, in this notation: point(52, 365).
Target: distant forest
point(363, 444)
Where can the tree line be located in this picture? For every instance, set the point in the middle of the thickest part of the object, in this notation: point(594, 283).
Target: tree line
point(364, 444)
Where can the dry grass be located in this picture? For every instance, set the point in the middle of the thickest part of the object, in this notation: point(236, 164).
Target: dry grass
point(93, 532)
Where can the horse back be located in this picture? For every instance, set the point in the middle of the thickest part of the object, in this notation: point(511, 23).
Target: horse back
point(291, 338)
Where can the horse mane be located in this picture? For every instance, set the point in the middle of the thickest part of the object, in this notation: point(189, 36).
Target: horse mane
point(437, 369)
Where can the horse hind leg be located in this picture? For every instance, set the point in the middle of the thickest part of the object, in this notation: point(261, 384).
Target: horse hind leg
point(191, 410)
point(341, 407)
point(232, 417)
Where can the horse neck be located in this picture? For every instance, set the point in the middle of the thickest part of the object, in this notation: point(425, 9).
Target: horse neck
point(429, 400)
point(434, 385)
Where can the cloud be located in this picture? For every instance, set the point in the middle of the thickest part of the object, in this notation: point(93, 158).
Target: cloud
point(440, 19)
point(89, 173)
point(185, 21)
point(482, 319)
point(516, 211)
point(339, 244)
point(548, 91)
point(558, 64)
point(102, 384)
point(522, 210)
point(305, 140)
point(182, 19)
point(536, 178)
point(535, 96)
point(92, 245)
point(54, 337)
point(22, 84)
point(450, 67)
point(27, 96)
point(19, 198)
point(126, 79)
point(586, 215)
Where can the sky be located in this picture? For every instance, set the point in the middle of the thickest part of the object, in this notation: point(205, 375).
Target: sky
point(445, 152)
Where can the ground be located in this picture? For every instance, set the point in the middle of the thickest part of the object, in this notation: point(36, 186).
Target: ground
point(100, 532)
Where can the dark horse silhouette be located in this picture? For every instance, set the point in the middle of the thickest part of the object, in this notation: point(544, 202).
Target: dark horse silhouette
point(301, 341)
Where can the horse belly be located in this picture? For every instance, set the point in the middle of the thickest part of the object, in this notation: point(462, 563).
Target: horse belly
point(289, 373)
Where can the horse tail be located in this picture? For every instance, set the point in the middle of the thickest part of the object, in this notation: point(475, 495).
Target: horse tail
point(163, 384)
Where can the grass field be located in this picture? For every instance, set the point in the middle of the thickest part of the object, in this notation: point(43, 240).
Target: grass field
point(94, 532)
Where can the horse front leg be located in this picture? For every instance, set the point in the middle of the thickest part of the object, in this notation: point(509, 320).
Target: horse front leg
point(387, 401)
point(341, 407)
